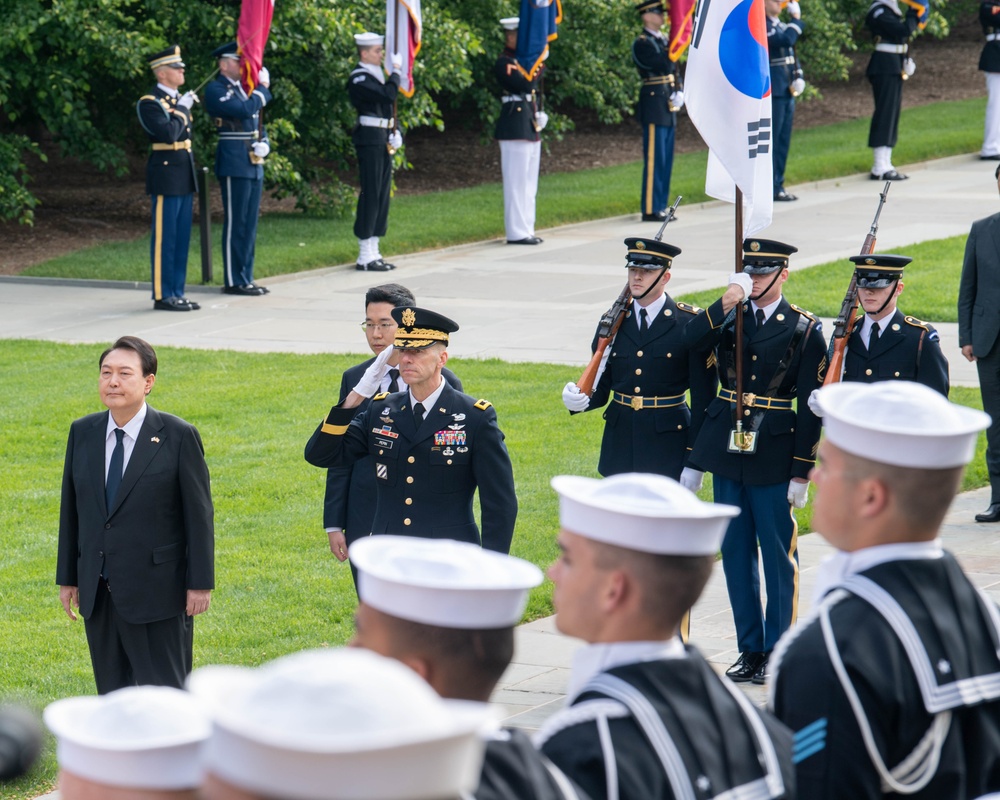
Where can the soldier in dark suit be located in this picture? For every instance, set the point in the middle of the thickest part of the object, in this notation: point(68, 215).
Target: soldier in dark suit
point(886, 344)
point(893, 686)
point(979, 334)
point(787, 83)
point(783, 360)
point(660, 98)
point(886, 69)
point(646, 716)
point(989, 62)
point(165, 115)
point(136, 531)
point(649, 426)
point(239, 164)
point(376, 137)
point(351, 493)
point(432, 446)
point(518, 130)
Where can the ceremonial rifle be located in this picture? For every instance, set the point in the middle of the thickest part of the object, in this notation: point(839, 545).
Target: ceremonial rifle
point(843, 325)
point(612, 321)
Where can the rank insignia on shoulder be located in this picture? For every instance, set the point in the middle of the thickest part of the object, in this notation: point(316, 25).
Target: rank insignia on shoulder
point(803, 312)
point(917, 323)
point(359, 79)
point(689, 308)
point(482, 405)
point(381, 396)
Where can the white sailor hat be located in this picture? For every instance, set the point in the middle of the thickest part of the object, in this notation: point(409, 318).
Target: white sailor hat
point(343, 723)
point(638, 511)
point(510, 23)
point(141, 737)
point(367, 39)
point(442, 582)
point(901, 423)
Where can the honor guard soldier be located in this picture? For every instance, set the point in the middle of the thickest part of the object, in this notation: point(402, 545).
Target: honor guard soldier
point(888, 67)
point(787, 83)
point(165, 115)
point(885, 344)
point(646, 716)
point(448, 610)
point(239, 164)
point(660, 98)
point(649, 426)
point(761, 465)
point(989, 62)
point(518, 130)
point(376, 138)
point(892, 687)
point(431, 445)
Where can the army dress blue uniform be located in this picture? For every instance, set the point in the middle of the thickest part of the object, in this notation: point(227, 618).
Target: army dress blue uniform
point(240, 173)
point(989, 62)
point(170, 183)
point(905, 349)
point(781, 39)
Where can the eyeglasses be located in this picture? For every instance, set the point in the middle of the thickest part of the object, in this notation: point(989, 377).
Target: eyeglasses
point(368, 327)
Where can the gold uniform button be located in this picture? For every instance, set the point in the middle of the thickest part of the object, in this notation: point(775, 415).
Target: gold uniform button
point(868, 372)
point(637, 390)
point(381, 452)
point(896, 374)
point(410, 460)
point(638, 372)
point(753, 358)
point(409, 501)
point(680, 427)
point(409, 479)
point(449, 461)
point(406, 521)
point(639, 354)
point(753, 377)
point(670, 355)
point(746, 412)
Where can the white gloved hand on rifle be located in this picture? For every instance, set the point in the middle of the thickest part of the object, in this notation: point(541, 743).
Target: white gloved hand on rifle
point(372, 379)
point(541, 120)
point(574, 400)
point(909, 67)
point(187, 100)
point(692, 478)
point(396, 139)
point(676, 101)
point(798, 493)
point(261, 149)
point(814, 403)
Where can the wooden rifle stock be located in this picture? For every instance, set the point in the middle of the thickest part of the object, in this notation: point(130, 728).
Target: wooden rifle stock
point(843, 325)
point(606, 330)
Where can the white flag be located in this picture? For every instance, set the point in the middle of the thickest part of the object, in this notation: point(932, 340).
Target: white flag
point(728, 93)
point(402, 36)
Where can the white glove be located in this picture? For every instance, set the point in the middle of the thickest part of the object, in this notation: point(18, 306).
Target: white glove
point(396, 139)
point(909, 66)
point(541, 120)
point(261, 149)
point(814, 403)
point(798, 493)
point(263, 76)
point(677, 100)
point(798, 87)
point(744, 281)
point(692, 478)
point(574, 399)
point(187, 100)
point(373, 376)
point(794, 9)
point(397, 62)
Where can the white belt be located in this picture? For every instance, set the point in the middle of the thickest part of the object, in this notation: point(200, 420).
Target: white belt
point(374, 122)
point(899, 49)
point(992, 37)
point(512, 98)
point(780, 62)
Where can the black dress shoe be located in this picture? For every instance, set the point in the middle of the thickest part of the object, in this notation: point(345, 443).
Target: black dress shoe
point(194, 306)
point(991, 514)
point(172, 304)
point(746, 667)
point(526, 240)
point(247, 289)
point(387, 264)
point(763, 673)
point(259, 288)
point(784, 197)
point(891, 175)
point(658, 217)
point(990, 158)
point(378, 265)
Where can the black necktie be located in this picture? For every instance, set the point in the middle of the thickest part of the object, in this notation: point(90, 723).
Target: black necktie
point(115, 469)
point(393, 380)
point(874, 335)
point(643, 322)
point(418, 413)
point(760, 318)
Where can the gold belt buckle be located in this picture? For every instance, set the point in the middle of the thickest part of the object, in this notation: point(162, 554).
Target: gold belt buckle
point(636, 403)
point(749, 399)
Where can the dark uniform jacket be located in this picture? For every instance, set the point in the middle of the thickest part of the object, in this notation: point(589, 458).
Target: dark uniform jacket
point(350, 491)
point(657, 365)
point(157, 541)
point(519, 100)
point(237, 126)
point(979, 288)
point(989, 18)
point(371, 98)
point(781, 39)
point(889, 28)
point(907, 349)
point(168, 172)
point(945, 665)
point(426, 476)
point(712, 738)
point(659, 79)
point(514, 770)
point(787, 436)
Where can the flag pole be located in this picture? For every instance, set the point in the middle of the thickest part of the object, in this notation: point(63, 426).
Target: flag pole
point(738, 261)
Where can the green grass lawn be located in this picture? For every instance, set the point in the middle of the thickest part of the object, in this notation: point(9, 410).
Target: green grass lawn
point(291, 242)
point(278, 587)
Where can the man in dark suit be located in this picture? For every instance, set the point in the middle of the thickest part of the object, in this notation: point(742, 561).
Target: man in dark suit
point(165, 115)
point(887, 344)
point(349, 505)
point(432, 446)
point(787, 83)
point(239, 165)
point(765, 472)
point(136, 530)
point(979, 334)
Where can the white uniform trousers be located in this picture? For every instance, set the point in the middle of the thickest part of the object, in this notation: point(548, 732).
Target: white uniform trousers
point(519, 160)
point(991, 131)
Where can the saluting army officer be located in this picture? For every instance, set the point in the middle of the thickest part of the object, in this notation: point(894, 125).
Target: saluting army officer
point(893, 686)
point(886, 344)
point(165, 115)
point(431, 445)
point(239, 164)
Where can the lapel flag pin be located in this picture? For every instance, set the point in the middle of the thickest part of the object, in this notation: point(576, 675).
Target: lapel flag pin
point(155, 439)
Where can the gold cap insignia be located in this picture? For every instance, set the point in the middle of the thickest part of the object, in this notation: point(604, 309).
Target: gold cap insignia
point(869, 261)
point(409, 318)
point(754, 247)
point(640, 245)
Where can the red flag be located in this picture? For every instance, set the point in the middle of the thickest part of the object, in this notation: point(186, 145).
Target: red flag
point(681, 15)
point(251, 36)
